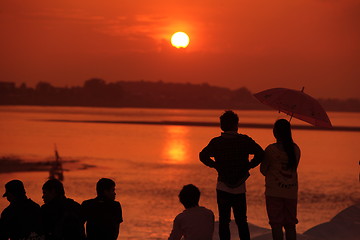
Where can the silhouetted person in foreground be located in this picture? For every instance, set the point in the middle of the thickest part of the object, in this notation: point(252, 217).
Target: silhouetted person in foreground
point(61, 215)
point(102, 214)
point(195, 222)
point(22, 218)
point(229, 155)
point(281, 182)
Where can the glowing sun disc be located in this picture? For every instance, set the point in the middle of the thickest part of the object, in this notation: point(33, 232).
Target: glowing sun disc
point(180, 40)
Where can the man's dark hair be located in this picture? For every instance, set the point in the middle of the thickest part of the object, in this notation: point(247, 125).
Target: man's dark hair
point(54, 185)
point(229, 121)
point(104, 184)
point(189, 196)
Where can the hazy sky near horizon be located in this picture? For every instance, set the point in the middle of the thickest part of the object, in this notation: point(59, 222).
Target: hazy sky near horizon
point(257, 44)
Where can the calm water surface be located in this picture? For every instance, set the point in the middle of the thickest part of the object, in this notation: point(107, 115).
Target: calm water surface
point(151, 163)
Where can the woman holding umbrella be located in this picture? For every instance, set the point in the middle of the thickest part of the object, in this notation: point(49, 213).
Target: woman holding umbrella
point(281, 183)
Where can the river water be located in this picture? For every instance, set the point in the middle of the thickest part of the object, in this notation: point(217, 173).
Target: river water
point(151, 163)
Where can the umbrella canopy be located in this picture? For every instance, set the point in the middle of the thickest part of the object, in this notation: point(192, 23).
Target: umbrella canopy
point(296, 104)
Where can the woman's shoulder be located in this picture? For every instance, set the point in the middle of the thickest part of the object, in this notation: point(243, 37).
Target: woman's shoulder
point(272, 146)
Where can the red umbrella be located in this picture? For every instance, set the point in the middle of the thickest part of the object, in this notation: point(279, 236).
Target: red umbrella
point(296, 104)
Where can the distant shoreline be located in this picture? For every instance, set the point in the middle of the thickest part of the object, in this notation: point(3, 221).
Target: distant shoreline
point(96, 92)
point(206, 124)
point(11, 164)
point(247, 108)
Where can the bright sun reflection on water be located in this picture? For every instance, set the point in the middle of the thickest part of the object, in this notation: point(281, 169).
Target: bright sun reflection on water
point(176, 144)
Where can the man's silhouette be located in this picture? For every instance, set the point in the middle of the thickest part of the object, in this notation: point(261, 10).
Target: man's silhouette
point(22, 218)
point(61, 215)
point(195, 222)
point(229, 155)
point(102, 214)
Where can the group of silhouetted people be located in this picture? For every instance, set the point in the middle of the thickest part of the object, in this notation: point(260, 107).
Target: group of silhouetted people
point(229, 155)
point(61, 218)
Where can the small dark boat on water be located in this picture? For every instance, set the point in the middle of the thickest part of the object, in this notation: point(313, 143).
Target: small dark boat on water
point(56, 170)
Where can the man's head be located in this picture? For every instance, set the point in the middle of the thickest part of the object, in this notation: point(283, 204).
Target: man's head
point(189, 196)
point(105, 188)
point(14, 189)
point(229, 121)
point(52, 189)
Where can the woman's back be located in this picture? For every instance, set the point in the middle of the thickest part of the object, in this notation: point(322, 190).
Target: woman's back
point(280, 180)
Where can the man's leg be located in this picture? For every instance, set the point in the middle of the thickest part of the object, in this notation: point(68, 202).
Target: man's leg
point(239, 208)
point(277, 233)
point(290, 232)
point(224, 208)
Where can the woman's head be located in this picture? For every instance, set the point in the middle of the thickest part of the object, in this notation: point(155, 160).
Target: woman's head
point(282, 130)
point(282, 133)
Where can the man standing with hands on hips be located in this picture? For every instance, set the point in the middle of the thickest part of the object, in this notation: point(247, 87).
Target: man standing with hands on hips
point(229, 155)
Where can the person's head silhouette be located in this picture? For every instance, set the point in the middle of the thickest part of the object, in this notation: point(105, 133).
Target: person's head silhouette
point(282, 130)
point(282, 133)
point(14, 190)
point(229, 121)
point(189, 196)
point(52, 189)
point(105, 188)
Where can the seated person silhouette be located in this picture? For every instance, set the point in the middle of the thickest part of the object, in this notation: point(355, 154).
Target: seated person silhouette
point(61, 215)
point(22, 218)
point(102, 214)
point(195, 222)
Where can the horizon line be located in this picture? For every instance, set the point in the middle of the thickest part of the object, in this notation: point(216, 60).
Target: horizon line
point(206, 124)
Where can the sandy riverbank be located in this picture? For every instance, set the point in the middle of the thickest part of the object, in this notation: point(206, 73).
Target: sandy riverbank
point(345, 225)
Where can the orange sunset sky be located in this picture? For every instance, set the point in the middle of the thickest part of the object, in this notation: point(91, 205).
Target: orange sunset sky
point(257, 44)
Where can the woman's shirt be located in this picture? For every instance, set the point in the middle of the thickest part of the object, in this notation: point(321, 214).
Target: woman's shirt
point(279, 180)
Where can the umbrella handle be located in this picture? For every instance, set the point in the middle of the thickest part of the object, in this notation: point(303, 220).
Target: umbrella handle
point(291, 116)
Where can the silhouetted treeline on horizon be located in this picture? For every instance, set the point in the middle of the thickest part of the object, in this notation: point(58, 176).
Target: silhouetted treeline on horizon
point(96, 92)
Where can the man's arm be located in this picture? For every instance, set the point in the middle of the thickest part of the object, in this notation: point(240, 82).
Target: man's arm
point(176, 233)
point(258, 155)
point(84, 212)
point(264, 166)
point(4, 228)
point(205, 156)
point(119, 215)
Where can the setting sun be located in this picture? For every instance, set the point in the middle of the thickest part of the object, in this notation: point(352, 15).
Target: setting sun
point(180, 40)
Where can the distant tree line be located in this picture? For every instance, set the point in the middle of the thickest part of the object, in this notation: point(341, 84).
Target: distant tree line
point(96, 92)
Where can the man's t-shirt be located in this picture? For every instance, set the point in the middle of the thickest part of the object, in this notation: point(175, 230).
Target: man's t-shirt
point(103, 218)
point(193, 223)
